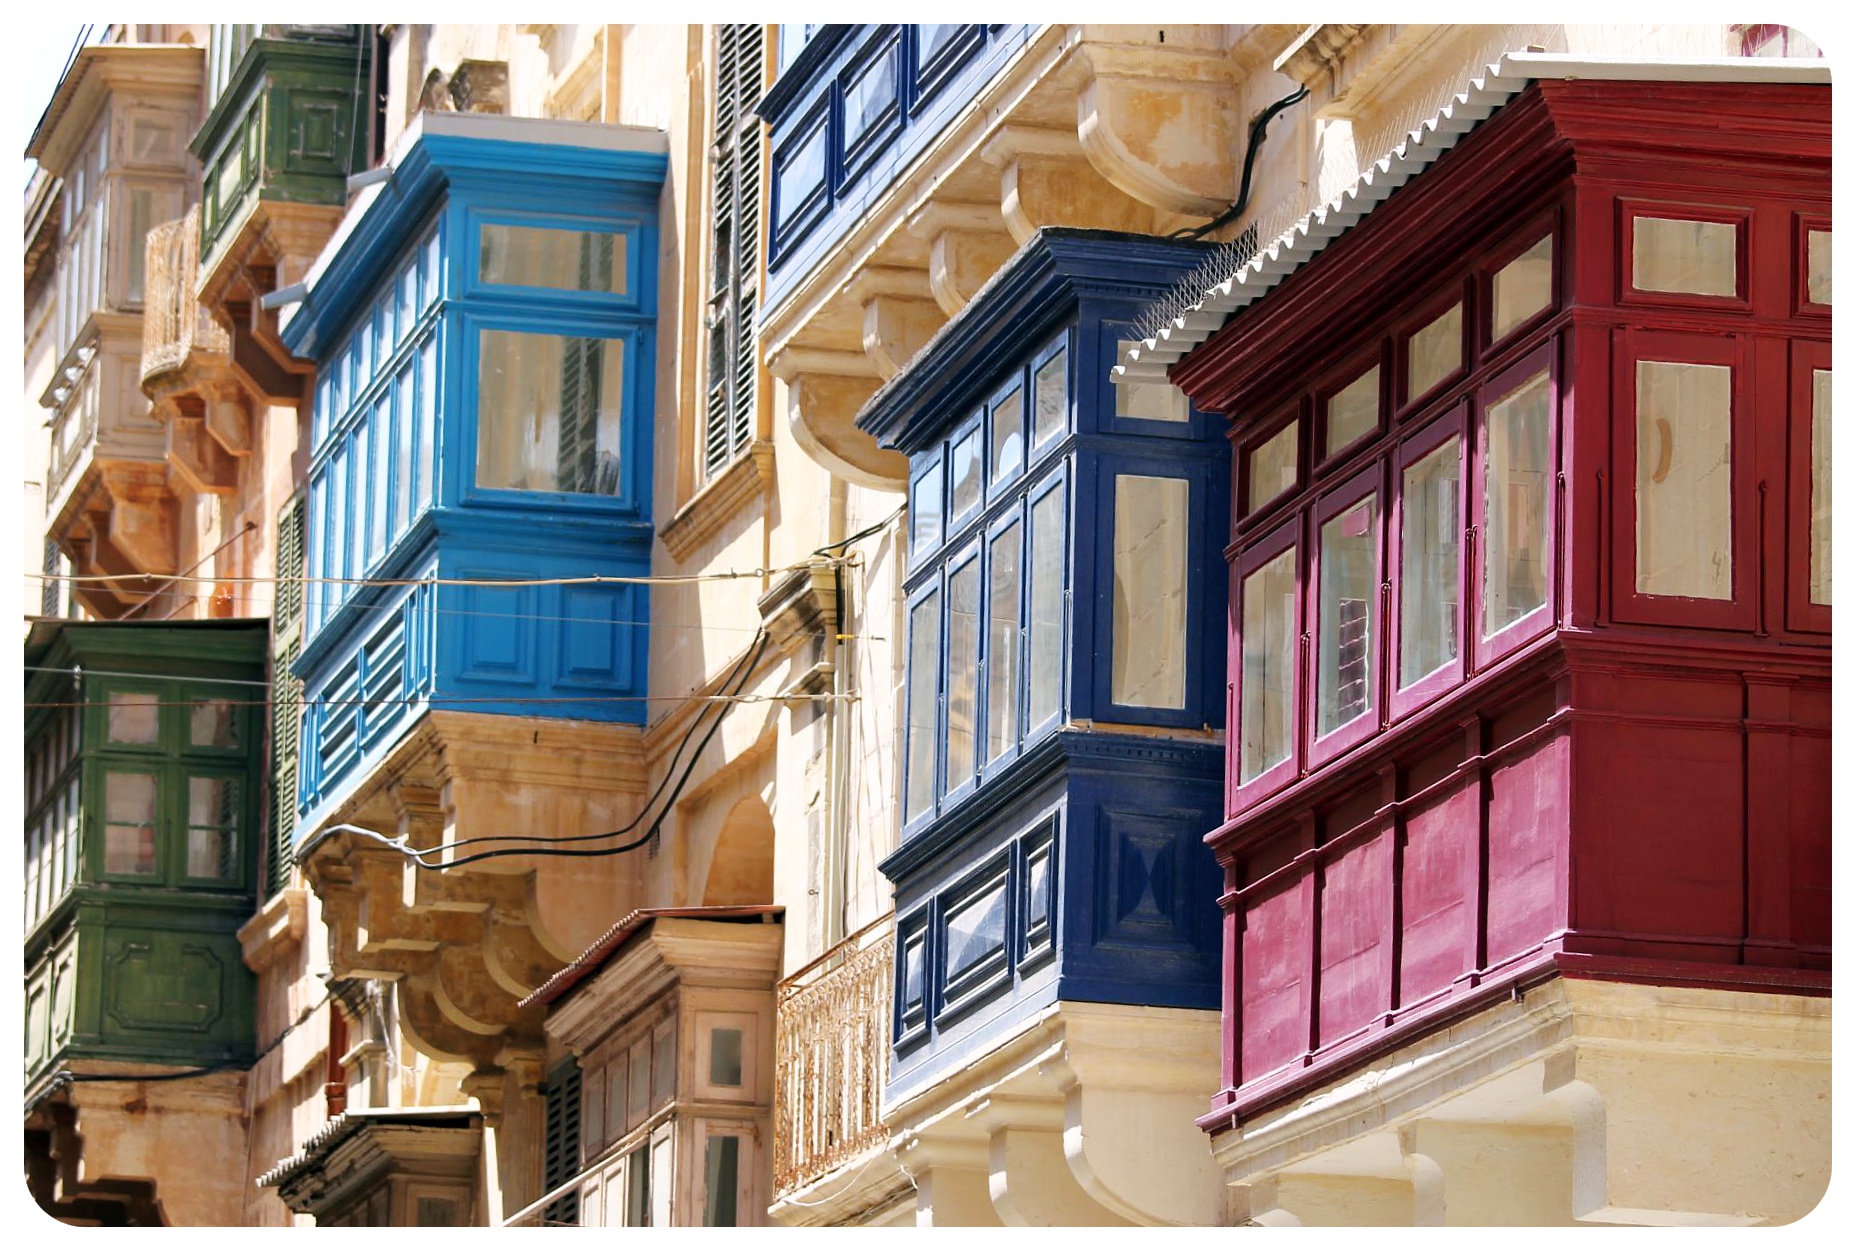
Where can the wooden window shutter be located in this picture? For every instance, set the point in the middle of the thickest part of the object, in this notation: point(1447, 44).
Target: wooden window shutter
point(561, 1142)
point(286, 692)
point(740, 56)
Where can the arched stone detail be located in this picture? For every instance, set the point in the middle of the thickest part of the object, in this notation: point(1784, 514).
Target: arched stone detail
point(741, 864)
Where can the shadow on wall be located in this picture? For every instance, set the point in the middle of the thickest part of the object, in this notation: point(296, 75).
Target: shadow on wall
point(741, 867)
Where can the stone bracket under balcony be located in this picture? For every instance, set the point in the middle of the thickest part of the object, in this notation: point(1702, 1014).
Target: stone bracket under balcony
point(1537, 1111)
point(1102, 127)
point(1037, 1131)
point(463, 946)
point(272, 246)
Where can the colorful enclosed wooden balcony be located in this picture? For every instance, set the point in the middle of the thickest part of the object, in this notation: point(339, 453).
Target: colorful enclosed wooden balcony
point(1530, 596)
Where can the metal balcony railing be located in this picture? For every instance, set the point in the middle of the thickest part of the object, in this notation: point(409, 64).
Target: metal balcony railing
point(174, 324)
point(831, 1055)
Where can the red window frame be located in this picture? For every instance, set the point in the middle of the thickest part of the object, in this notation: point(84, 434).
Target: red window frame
point(1324, 747)
point(1803, 225)
point(1401, 702)
point(1242, 506)
point(1486, 650)
point(1546, 226)
point(1800, 613)
point(1738, 612)
point(1285, 537)
point(1333, 383)
point(1460, 291)
point(1630, 209)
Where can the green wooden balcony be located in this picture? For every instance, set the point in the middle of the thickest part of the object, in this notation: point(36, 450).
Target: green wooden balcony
point(143, 777)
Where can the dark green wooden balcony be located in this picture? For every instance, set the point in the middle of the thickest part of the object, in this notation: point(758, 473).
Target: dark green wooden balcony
point(144, 744)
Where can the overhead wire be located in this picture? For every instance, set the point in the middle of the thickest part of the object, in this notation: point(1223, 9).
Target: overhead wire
point(594, 579)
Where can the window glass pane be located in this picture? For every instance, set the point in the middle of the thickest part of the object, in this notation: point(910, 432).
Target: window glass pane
point(975, 930)
point(1820, 485)
point(569, 260)
point(1684, 480)
point(1522, 288)
point(802, 173)
point(1514, 506)
point(213, 724)
point(1046, 641)
point(914, 973)
point(963, 647)
point(925, 510)
point(966, 473)
point(663, 1064)
point(129, 823)
point(428, 400)
point(548, 412)
point(1429, 530)
point(1008, 434)
point(638, 1098)
point(1037, 888)
point(1272, 466)
point(379, 436)
point(1353, 411)
point(212, 827)
point(1346, 613)
point(868, 96)
point(724, 1057)
point(933, 37)
point(1817, 266)
point(437, 1213)
point(1053, 402)
point(924, 645)
point(638, 1187)
point(1155, 401)
point(1434, 353)
point(134, 718)
point(1148, 664)
point(141, 217)
point(721, 1173)
point(1268, 679)
point(1002, 644)
point(402, 457)
point(1694, 258)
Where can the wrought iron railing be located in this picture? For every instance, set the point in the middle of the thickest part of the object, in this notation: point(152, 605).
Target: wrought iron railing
point(173, 323)
point(831, 1055)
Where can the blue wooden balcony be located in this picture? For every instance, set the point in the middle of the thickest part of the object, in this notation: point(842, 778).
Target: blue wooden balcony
point(852, 111)
point(483, 326)
point(1065, 690)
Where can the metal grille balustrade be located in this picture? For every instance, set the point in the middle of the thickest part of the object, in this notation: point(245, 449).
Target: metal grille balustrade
point(831, 1054)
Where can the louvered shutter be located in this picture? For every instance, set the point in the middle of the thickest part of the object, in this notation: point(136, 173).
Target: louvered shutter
point(740, 53)
point(286, 691)
point(49, 597)
point(561, 1142)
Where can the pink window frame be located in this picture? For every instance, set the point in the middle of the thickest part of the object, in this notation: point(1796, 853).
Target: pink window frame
point(1482, 650)
point(1325, 747)
point(1401, 702)
point(1543, 227)
point(1286, 536)
point(1627, 604)
point(1243, 508)
point(1332, 384)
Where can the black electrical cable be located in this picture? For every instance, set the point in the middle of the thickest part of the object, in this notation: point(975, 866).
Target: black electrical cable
point(1257, 129)
point(640, 841)
point(737, 674)
point(865, 533)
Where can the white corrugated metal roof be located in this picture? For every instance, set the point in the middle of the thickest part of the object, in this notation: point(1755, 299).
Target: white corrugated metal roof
point(1302, 242)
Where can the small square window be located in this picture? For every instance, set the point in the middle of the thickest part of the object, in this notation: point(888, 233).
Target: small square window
point(1681, 256)
point(213, 724)
point(129, 824)
point(1817, 266)
point(1521, 288)
point(1434, 353)
point(1008, 434)
point(1150, 401)
point(1353, 411)
point(1273, 466)
point(134, 718)
point(1051, 387)
point(966, 473)
point(725, 1057)
point(565, 260)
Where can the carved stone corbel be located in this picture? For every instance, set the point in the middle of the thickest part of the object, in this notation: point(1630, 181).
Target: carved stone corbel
point(1045, 181)
point(825, 390)
point(967, 243)
point(899, 316)
point(1160, 121)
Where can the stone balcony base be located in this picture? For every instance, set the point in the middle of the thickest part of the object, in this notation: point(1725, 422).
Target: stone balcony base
point(1575, 1102)
point(1084, 1117)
